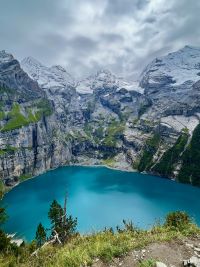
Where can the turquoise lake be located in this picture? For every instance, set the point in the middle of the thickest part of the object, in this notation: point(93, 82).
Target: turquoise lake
point(99, 197)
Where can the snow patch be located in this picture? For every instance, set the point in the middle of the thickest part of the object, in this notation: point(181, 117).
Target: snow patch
point(182, 65)
point(179, 122)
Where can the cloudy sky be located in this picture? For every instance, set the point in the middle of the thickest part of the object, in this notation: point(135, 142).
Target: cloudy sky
point(86, 35)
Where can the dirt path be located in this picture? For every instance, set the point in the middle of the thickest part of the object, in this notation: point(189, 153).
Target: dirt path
point(172, 254)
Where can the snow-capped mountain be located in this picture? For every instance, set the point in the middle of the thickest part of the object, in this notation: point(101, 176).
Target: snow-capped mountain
point(105, 79)
point(175, 68)
point(5, 57)
point(101, 117)
point(47, 77)
point(12, 76)
point(56, 77)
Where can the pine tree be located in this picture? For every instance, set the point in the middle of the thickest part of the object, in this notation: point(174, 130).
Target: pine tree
point(40, 235)
point(55, 215)
point(3, 215)
point(62, 226)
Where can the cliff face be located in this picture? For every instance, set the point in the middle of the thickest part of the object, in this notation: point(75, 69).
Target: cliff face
point(47, 119)
point(27, 125)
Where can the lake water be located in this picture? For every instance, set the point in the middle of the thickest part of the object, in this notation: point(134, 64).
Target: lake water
point(99, 197)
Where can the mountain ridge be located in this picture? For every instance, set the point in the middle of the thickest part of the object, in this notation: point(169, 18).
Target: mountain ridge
point(100, 120)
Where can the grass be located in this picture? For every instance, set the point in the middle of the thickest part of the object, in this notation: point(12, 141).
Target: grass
point(171, 157)
point(190, 169)
point(113, 133)
point(82, 250)
point(109, 162)
point(150, 149)
point(2, 189)
point(8, 150)
point(148, 263)
point(17, 118)
point(24, 177)
point(2, 115)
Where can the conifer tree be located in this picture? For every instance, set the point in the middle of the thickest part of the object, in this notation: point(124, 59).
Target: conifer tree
point(40, 235)
point(63, 226)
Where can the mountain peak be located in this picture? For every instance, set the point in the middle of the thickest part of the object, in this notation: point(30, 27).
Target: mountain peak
point(178, 67)
point(30, 61)
point(59, 68)
point(47, 77)
point(191, 47)
point(5, 57)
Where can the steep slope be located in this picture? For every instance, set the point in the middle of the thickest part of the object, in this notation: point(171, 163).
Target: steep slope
point(27, 124)
point(92, 118)
point(47, 77)
point(175, 68)
point(12, 76)
point(170, 83)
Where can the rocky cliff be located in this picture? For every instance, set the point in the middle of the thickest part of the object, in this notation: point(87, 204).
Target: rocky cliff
point(47, 119)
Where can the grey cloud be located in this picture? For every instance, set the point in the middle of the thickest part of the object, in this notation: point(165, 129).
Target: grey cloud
point(111, 37)
point(124, 7)
point(86, 35)
point(83, 43)
point(150, 19)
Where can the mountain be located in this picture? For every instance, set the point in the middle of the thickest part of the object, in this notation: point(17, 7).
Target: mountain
point(47, 77)
point(12, 76)
point(151, 126)
point(177, 68)
point(104, 79)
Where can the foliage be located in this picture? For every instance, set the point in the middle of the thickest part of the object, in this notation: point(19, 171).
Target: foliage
point(127, 226)
point(17, 118)
point(143, 108)
point(178, 220)
point(190, 170)
point(24, 177)
point(2, 189)
point(2, 115)
point(113, 133)
point(8, 150)
point(4, 241)
point(40, 236)
point(167, 163)
point(150, 149)
point(148, 263)
point(62, 224)
point(3, 215)
point(44, 108)
point(109, 162)
point(82, 250)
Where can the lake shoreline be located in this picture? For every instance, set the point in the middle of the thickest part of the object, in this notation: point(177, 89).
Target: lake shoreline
point(115, 168)
point(98, 189)
point(70, 165)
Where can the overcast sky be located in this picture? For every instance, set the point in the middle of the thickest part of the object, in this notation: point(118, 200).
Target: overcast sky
point(86, 35)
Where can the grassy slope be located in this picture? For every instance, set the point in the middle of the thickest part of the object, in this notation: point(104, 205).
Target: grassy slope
point(16, 119)
point(83, 250)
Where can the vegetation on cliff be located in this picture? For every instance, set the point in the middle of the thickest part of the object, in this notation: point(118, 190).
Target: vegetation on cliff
point(17, 118)
point(150, 149)
point(171, 157)
point(190, 170)
point(17, 112)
